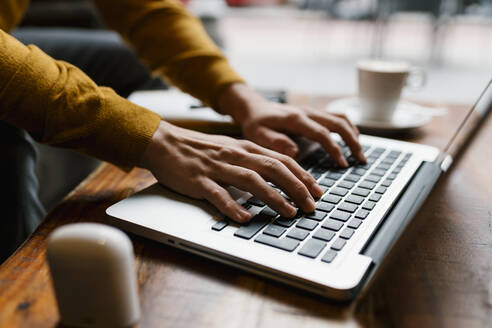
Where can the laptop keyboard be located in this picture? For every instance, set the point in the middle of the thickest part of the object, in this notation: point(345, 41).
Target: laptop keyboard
point(350, 194)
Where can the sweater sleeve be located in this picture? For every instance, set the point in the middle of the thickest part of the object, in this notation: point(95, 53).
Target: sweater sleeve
point(172, 43)
point(60, 105)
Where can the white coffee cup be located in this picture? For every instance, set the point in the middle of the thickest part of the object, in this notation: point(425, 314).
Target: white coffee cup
point(381, 83)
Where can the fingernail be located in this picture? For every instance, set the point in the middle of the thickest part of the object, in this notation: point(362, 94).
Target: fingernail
point(288, 211)
point(343, 161)
point(362, 157)
point(311, 204)
point(292, 210)
point(317, 190)
point(244, 215)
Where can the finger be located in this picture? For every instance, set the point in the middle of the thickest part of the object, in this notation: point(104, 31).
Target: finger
point(275, 171)
point(292, 165)
point(341, 127)
point(221, 199)
point(305, 126)
point(345, 118)
point(276, 141)
point(248, 180)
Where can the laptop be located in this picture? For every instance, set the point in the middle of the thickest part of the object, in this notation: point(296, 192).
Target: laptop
point(335, 251)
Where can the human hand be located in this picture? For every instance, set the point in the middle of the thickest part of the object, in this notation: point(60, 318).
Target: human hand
point(200, 165)
point(268, 124)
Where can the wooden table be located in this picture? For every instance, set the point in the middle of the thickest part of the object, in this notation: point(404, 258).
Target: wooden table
point(442, 277)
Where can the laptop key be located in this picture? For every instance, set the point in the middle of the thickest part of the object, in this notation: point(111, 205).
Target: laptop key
point(383, 166)
point(255, 201)
point(318, 169)
point(375, 197)
point(338, 191)
point(325, 207)
point(324, 234)
point(360, 192)
point(380, 190)
point(368, 205)
point(252, 228)
point(358, 171)
point(306, 164)
point(367, 185)
point(392, 176)
point(267, 211)
point(365, 166)
point(362, 214)
point(352, 178)
point(332, 199)
point(373, 178)
point(332, 224)
point(286, 244)
point(338, 244)
point(316, 215)
point(388, 161)
point(307, 224)
point(329, 256)
point(354, 199)
point(378, 172)
point(339, 215)
point(327, 182)
point(284, 222)
point(354, 223)
point(386, 183)
point(334, 175)
point(351, 159)
point(298, 234)
point(346, 184)
point(274, 230)
point(347, 233)
point(347, 207)
point(312, 248)
point(219, 225)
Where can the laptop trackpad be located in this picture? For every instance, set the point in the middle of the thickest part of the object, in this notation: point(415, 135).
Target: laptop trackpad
point(162, 209)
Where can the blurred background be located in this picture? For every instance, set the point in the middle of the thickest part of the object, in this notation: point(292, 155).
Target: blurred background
point(311, 46)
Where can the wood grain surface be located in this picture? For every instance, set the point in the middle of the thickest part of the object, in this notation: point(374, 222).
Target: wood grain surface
point(440, 277)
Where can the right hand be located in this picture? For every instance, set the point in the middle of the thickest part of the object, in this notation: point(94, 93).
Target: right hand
point(200, 165)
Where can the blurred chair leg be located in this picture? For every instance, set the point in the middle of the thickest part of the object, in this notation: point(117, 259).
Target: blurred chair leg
point(383, 11)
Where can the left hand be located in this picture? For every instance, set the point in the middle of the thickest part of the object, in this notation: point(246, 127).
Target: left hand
point(268, 124)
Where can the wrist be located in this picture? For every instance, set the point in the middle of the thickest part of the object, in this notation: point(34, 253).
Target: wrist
point(238, 100)
point(156, 144)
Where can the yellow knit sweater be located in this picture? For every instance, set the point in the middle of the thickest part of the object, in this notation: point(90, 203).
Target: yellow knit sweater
point(60, 105)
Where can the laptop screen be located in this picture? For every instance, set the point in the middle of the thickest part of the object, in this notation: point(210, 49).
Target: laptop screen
point(469, 124)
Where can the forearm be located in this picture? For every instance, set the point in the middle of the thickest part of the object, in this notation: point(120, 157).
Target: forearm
point(172, 43)
point(59, 105)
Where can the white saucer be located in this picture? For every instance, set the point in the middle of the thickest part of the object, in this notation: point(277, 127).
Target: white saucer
point(407, 116)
